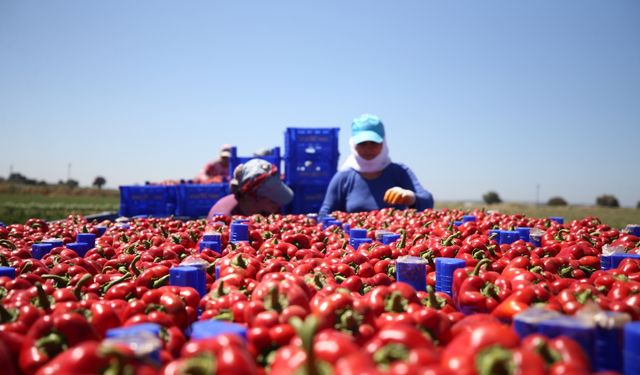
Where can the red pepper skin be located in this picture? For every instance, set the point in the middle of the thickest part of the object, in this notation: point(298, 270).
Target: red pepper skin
point(519, 301)
point(571, 299)
point(481, 294)
point(471, 352)
point(393, 298)
point(339, 310)
point(560, 351)
point(227, 355)
point(8, 353)
point(18, 319)
point(398, 342)
point(51, 335)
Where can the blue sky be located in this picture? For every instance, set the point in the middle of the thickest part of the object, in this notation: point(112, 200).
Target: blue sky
point(475, 95)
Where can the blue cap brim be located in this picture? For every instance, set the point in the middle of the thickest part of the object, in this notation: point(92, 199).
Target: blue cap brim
point(274, 189)
point(367, 136)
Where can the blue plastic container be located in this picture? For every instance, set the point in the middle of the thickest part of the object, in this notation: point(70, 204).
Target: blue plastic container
point(217, 271)
point(101, 230)
point(508, 237)
point(213, 245)
point(495, 234)
point(307, 198)
point(204, 329)
point(527, 321)
point(151, 328)
point(523, 233)
point(153, 200)
point(2, 224)
point(413, 271)
point(191, 276)
point(195, 200)
point(634, 229)
point(358, 233)
point(444, 273)
point(616, 259)
point(632, 348)
point(583, 332)
point(356, 242)
point(9, 272)
point(388, 239)
point(238, 232)
point(457, 223)
point(80, 248)
point(467, 218)
point(557, 219)
point(55, 242)
point(39, 250)
point(331, 222)
point(212, 237)
point(346, 227)
point(311, 155)
point(609, 344)
point(88, 238)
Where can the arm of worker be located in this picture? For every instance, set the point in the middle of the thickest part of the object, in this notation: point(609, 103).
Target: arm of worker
point(410, 192)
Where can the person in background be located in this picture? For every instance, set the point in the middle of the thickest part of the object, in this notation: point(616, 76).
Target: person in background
point(256, 188)
point(369, 180)
point(217, 170)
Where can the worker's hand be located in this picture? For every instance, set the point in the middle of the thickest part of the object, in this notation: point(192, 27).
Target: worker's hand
point(398, 195)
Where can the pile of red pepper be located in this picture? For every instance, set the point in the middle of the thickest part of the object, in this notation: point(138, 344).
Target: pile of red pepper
point(311, 303)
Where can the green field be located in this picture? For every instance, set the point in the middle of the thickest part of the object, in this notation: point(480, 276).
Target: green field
point(17, 204)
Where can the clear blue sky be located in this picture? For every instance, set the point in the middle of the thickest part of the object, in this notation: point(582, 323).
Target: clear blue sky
point(475, 95)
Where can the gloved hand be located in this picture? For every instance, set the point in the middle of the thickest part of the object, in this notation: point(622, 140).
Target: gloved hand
point(398, 195)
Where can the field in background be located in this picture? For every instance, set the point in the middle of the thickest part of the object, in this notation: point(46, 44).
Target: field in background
point(614, 217)
point(20, 202)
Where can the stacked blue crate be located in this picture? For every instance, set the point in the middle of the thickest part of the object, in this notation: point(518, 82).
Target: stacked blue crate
point(155, 200)
point(195, 200)
point(311, 159)
point(272, 157)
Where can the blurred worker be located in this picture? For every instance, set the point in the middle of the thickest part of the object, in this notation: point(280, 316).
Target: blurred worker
point(217, 170)
point(256, 188)
point(369, 180)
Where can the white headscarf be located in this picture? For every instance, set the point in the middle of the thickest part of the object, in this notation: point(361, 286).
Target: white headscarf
point(359, 164)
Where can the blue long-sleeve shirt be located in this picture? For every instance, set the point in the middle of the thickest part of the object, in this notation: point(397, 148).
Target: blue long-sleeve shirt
point(348, 191)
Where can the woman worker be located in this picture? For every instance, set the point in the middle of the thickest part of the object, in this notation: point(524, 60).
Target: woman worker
point(369, 180)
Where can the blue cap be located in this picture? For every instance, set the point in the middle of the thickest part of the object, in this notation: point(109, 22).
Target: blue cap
point(508, 237)
point(557, 219)
point(390, 238)
point(346, 227)
point(239, 232)
point(80, 248)
point(101, 229)
point(204, 329)
point(143, 216)
point(123, 226)
point(88, 238)
point(9, 272)
point(356, 242)
point(466, 218)
point(523, 233)
point(151, 328)
point(444, 273)
point(583, 332)
point(358, 233)
point(605, 262)
point(194, 277)
point(413, 271)
point(632, 344)
point(39, 250)
point(2, 224)
point(213, 245)
point(457, 223)
point(331, 222)
point(367, 128)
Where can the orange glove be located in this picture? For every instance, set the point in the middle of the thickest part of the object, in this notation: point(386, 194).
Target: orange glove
point(398, 195)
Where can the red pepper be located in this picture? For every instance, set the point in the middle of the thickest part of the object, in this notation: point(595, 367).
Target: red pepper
point(393, 298)
point(519, 301)
point(490, 349)
point(558, 352)
point(401, 344)
point(9, 352)
point(341, 311)
point(571, 299)
point(50, 335)
point(482, 293)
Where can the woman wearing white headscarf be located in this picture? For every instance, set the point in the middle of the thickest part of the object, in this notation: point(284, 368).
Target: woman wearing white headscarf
point(369, 180)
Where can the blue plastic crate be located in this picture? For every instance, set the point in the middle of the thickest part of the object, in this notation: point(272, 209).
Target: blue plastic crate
point(305, 142)
point(195, 200)
point(234, 160)
point(147, 200)
point(306, 198)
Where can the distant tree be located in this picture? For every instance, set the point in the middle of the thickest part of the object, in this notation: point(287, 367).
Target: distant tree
point(556, 201)
point(99, 182)
point(638, 205)
point(72, 183)
point(491, 198)
point(607, 200)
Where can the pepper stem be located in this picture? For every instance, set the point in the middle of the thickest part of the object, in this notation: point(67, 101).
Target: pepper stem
point(481, 263)
point(495, 360)
point(77, 291)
